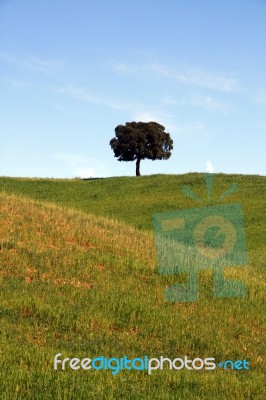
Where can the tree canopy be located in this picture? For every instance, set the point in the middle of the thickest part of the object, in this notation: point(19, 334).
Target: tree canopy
point(141, 140)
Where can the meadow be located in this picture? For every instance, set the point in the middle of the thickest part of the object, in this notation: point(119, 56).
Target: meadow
point(79, 277)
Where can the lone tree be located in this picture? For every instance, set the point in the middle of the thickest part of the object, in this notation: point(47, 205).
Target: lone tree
point(140, 140)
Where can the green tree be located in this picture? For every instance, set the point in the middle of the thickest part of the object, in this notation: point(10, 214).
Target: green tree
point(140, 140)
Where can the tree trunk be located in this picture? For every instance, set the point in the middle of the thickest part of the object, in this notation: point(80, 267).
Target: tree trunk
point(137, 167)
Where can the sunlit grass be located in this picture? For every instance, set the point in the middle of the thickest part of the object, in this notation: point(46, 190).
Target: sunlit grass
point(85, 286)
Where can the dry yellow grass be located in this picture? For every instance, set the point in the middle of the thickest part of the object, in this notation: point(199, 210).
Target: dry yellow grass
point(59, 236)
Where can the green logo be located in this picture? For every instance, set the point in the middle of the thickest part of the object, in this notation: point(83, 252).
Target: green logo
point(200, 238)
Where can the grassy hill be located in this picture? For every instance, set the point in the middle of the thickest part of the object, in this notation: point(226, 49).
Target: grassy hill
point(79, 277)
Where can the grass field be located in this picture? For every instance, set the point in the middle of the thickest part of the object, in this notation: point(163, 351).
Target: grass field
point(79, 277)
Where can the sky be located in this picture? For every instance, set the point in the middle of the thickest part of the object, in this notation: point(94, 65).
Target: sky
point(71, 71)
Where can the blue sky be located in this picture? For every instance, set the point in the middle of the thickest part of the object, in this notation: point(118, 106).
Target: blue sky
point(71, 71)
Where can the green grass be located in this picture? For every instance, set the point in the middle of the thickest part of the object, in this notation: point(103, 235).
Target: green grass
point(78, 283)
point(134, 199)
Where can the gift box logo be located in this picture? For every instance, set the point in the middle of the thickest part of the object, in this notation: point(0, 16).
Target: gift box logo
point(200, 238)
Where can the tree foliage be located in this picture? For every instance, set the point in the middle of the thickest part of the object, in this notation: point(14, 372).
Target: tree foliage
point(141, 140)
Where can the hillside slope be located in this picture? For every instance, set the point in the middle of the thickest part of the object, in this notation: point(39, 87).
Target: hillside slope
point(134, 199)
point(87, 286)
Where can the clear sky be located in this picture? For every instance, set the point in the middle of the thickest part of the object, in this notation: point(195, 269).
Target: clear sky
point(72, 70)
